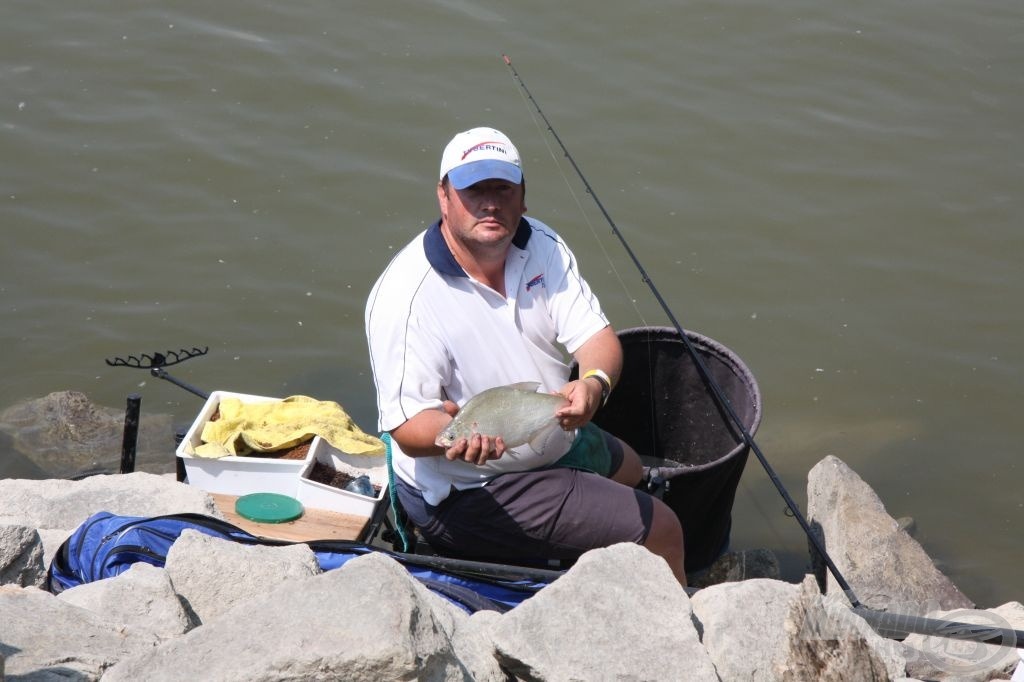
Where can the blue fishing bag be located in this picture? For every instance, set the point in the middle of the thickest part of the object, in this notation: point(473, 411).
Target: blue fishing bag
point(106, 545)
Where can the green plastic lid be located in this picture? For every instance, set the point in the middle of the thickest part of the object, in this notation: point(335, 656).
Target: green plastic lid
point(268, 507)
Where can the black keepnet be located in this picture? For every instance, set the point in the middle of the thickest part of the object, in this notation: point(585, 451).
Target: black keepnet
point(662, 407)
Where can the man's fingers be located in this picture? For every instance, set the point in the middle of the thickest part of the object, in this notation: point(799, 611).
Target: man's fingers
point(477, 449)
point(485, 450)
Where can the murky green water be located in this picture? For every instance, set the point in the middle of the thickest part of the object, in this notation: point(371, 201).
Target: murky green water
point(832, 191)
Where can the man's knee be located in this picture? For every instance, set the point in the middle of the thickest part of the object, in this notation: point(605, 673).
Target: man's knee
point(666, 528)
point(631, 471)
point(665, 539)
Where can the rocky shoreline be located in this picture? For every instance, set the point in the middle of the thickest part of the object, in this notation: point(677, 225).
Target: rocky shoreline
point(222, 611)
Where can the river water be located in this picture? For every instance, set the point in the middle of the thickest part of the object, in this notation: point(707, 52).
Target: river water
point(832, 190)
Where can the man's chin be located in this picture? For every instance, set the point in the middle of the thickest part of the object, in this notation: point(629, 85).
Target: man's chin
point(493, 232)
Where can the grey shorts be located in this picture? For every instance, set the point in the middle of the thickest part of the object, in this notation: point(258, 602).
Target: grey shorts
point(552, 513)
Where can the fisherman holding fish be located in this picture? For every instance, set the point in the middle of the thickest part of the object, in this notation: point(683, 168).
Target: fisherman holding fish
point(470, 327)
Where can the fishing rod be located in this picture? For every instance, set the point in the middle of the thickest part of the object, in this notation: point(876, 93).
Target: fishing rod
point(716, 390)
point(720, 397)
point(893, 625)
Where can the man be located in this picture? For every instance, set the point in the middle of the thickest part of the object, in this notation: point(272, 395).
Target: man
point(488, 297)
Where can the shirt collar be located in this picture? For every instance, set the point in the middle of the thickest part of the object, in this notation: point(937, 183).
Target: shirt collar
point(443, 260)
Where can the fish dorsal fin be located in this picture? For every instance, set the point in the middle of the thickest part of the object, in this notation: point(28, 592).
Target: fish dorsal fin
point(530, 386)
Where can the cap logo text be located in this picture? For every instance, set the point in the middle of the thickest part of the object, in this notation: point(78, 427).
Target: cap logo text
point(485, 146)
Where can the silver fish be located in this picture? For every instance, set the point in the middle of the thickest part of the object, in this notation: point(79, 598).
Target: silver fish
point(517, 413)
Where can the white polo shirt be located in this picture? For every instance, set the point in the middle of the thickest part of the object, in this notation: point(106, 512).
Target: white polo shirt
point(435, 333)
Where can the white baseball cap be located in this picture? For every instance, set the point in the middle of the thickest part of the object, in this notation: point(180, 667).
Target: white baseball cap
point(480, 154)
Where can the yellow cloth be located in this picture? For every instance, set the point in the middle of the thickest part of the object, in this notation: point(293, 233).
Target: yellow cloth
point(243, 428)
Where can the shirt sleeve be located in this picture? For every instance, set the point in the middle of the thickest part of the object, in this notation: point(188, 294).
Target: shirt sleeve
point(408, 362)
point(574, 308)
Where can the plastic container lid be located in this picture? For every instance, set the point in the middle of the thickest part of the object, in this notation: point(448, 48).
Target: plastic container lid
point(268, 507)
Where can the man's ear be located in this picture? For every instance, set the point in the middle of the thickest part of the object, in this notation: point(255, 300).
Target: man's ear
point(442, 198)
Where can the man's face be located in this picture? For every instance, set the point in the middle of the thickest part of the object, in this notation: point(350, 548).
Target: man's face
point(486, 213)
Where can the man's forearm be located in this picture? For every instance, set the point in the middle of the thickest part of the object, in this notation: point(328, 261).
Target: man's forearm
point(602, 351)
point(416, 436)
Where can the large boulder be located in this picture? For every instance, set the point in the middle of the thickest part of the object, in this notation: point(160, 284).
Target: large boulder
point(62, 504)
point(64, 434)
point(474, 646)
point(741, 626)
point(36, 517)
point(886, 568)
point(617, 614)
point(773, 631)
point(825, 641)
point(212, 574)
point(141, 598)
point(366, 621)
point(45, 638)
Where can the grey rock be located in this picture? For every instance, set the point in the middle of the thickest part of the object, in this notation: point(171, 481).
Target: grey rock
point(44, 638)
point(21, 556)
point(142, 598)
point(268, 615)
point(741, 626)
point(618, 613)
point(212, 574)
point(52, 539)
point(826, 642)
point(475, 649)
point(368, 620)
point(61, 504)
point(65, 435)
point(941, 658)
point(741, 565)
point(769, 630)
point(887, 569)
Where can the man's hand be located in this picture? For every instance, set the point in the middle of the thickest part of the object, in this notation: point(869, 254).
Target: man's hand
point(584, 396)
point(602, 350)
point(477, 449)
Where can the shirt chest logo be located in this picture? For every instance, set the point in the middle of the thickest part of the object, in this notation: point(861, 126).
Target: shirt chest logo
point(537, 281)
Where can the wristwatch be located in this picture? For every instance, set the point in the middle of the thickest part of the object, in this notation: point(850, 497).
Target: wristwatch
point(604, 380)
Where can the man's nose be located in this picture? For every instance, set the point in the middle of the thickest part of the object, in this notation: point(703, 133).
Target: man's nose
point(489, 200)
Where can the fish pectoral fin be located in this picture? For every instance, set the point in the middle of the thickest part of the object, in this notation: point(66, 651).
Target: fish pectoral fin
point(539, 441)
point(530, 386)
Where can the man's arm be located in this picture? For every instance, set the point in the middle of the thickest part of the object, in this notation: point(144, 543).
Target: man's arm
point(602, 351)
point(416, 438)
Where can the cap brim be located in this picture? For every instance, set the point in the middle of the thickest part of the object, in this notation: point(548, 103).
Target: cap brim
point(485, 169)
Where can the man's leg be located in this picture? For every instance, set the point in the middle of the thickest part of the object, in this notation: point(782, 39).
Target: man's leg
point(556, 513)
point(631, 470)
point(666, 539)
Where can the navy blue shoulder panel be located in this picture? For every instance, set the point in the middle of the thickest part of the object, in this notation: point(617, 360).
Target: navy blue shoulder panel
point(443, 261)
